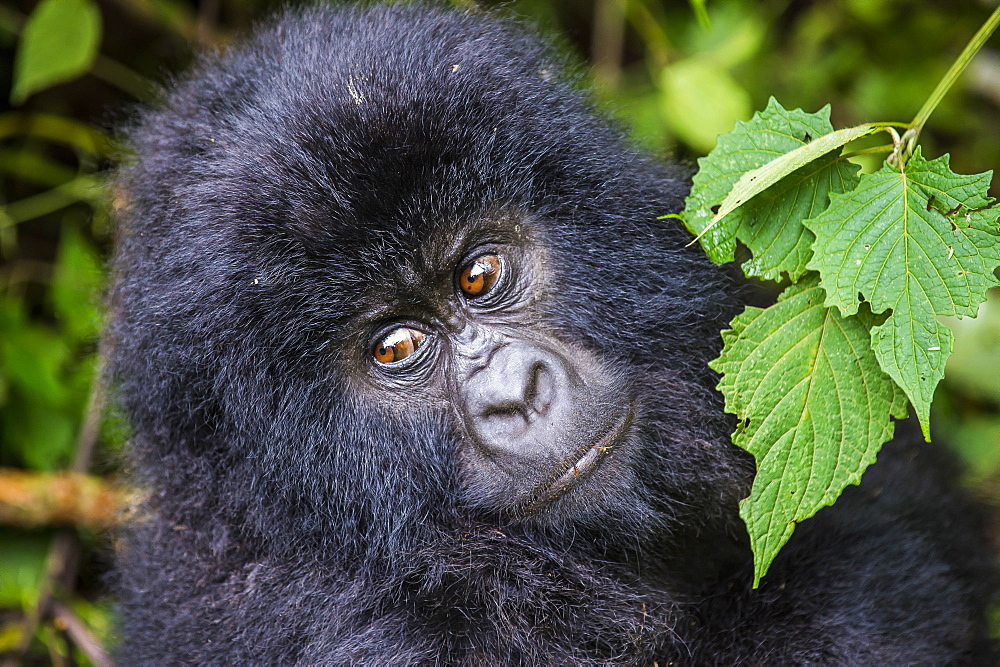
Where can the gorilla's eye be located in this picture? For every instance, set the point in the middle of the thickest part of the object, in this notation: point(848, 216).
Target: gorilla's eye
point(480, 275)
point(397, 345)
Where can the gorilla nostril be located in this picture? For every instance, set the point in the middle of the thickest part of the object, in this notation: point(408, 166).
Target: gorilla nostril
point(505, 422)
point(505, 409)
point(539, 392)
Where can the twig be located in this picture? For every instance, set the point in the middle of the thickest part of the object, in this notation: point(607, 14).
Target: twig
point(78, 633)
point(607, 41)
point(87, 439)
point(208, 15)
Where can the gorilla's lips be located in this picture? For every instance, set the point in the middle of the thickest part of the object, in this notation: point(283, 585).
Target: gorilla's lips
point(588, 462)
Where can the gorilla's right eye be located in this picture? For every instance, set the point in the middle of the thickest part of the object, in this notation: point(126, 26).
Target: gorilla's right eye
point(397, 345)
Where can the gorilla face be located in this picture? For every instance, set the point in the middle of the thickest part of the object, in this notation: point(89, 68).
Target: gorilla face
point(536, 416)
point(377, 282)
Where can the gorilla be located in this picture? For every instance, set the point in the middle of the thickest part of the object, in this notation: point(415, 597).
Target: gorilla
point(417, 375)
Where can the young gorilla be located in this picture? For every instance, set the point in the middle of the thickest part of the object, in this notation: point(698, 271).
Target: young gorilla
point(416, 375)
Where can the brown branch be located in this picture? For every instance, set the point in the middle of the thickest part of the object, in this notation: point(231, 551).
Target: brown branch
point(34, 499)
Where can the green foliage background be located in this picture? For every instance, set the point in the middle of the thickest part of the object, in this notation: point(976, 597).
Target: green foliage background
point(678, 80)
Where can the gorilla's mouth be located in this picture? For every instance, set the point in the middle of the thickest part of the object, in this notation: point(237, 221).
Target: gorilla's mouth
point(588, 462)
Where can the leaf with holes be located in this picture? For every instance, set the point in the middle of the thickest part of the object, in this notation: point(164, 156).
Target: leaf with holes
point(761, 180)
point(921, 242)
point(813, 407)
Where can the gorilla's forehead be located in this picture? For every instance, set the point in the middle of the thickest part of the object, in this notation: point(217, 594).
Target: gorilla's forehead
point(436, 119)
point(362, 162)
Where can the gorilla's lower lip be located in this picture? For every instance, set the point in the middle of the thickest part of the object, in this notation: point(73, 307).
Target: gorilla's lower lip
point(588, 462)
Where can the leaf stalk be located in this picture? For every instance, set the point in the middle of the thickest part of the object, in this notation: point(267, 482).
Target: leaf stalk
point(963, 60)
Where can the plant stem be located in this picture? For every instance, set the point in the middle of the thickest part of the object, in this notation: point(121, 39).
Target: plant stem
point(874, 150)
point(121, 77)
point(956, 70)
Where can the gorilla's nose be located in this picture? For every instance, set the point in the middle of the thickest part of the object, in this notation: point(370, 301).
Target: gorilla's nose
point(515, 400)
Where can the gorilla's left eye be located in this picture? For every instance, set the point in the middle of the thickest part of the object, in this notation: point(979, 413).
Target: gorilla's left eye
point(397, 345)
point(479, 276)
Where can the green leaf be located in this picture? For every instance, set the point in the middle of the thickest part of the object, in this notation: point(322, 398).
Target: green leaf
point(42, 398)
point(686, 85)
point(921, 243)
point(59, 43)
point(32, 357)
point(761, 180)
point(76, 286)
point(758, 180)
point(23, 556)
point(813, 408)
point(37, 435)
point(770, 225)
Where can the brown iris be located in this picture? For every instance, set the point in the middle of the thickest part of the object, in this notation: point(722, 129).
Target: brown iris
point(480, 275)
point(397, 345)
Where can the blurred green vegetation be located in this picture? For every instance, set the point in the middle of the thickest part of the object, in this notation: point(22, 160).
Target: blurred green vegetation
point(677, 72)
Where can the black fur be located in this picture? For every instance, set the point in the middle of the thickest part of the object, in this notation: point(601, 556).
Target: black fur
point(292, 518)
